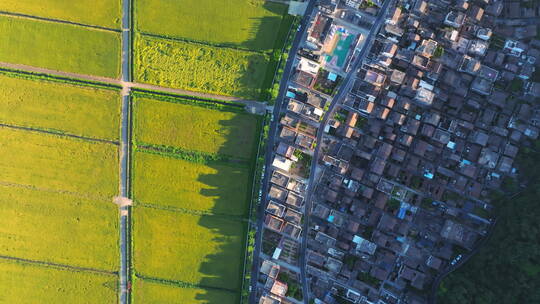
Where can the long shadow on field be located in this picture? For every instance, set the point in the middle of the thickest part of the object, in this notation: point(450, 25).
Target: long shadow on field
point(224, 269)
point(267, 35)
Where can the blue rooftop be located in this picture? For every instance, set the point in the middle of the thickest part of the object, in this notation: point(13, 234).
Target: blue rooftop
point(332, 76)
point(291, 94)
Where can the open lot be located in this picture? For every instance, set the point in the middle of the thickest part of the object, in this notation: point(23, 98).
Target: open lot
point(61, 107)
point(36, 284)
point(193, 127)
point(215, 187)
point(199, 67)
point(59, 46)
point(248, 24)
point(104, 13)
point(58, 163)
point(151, 292)
point(203, 250)
point(58, 228)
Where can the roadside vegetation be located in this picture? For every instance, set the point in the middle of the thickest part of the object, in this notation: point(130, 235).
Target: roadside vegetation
point(29, 283)
point(58, 163)
point(506, 269)
point(59, 107)
point(58, 46)
point(105, 13)
point(79, 232)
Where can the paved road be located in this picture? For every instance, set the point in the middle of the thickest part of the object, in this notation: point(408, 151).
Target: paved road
point(252, 106)
point(124, 203)
point(270, 146)
point(343, 89)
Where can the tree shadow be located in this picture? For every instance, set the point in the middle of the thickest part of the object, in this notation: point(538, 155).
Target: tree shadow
point(268, 35)
point(224, 268)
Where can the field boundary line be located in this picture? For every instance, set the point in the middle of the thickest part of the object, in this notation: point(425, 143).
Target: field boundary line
point(231, 217)
point(75, 194)
point(181, 284)
point(61, 266)
point(58, 133)
point(33, 17)
point(206, 43)
point(193, 156)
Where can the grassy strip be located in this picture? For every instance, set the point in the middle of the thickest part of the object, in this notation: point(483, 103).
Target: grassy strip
point(190, 100)
point(189, 155)
point(58, 79)
point(257, 174)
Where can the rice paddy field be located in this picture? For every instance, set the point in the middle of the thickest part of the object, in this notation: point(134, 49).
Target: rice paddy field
point(192, 127)
point(58, 163)
point(58, 228)
point(105, 13)
point(151, 292)
point(248, 24)
point(35, 284)
point(199, 67)
point(60, 107)
point(58, 46)
point(215, 187)
point(203, 250)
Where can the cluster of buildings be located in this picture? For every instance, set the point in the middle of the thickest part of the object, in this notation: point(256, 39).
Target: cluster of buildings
point(432, 124)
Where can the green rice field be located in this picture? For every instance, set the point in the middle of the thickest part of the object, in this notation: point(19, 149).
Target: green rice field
point(199, 67)
point(104, 13)
point(60, 107)
point(150, 292)
point(58, 228)
point(192, 127)
point(59, 46)
point(215, 187)
point(248, 24)
point(58, 163)
point(203, 250)
point(35, 284)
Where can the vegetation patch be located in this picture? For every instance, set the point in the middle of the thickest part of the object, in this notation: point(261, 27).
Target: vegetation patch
point(59, 46)
point(199, 67)
point(192, 127)
point(248, 24)
point(60, 107)
point(30, 283)
point(145, 291)
point(105, 13)
point(216, 187)
point(206, 250)
point(78, 232)
point(58, 163)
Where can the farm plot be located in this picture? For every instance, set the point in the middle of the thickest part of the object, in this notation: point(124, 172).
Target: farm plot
point(202, 250)
point(59, 46)
point(246, 24)
point(29, 283)
point(60, 107)
point(58, 163)
point(152, 292)
point(58, 228)
point(193, 127)
point(215, 187)
point(199, 67)
point(104, 13)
